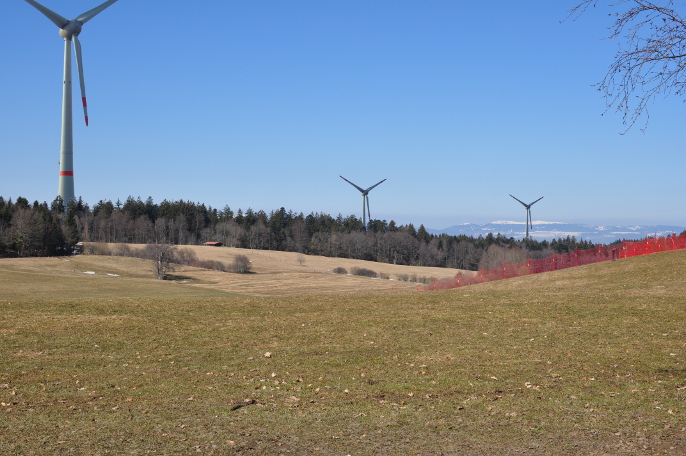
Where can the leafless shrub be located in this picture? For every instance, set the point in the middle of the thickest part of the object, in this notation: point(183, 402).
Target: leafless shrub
point(340, 270)
point(495, 255)
point(363, 272)
point(241, 265)
point(185, 256)
point(215, 265)
point(403, 277)
point(301, 259)
point(205, 264)
point(384, 276)
point(122, 250)
point(95, 248)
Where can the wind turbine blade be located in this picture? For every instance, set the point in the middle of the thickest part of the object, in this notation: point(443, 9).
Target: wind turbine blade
point(539, 199)
point(369, 211)
point(361, 191)
point(88, 15)
point(369, 189)
point(79, 65)
point(519, 201)
point(53, 16)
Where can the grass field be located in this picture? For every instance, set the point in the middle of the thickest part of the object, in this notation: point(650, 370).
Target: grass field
point(274, 274)
point(588, 360)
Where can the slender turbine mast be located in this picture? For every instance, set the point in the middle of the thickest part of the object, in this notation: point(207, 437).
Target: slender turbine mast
point(365, 200)
point(529, 220)
point(69, 30)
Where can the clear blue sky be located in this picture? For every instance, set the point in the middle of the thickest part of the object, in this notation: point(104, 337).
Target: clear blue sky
point(263, 104)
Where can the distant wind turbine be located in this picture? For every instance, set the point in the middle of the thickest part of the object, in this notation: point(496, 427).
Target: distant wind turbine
point(365, 200)
point(529, 220)
point(69, 30)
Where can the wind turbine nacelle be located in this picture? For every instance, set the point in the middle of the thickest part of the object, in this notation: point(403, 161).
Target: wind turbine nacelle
point(72, 28)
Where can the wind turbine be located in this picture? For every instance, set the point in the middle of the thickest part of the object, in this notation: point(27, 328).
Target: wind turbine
point(529, 220)
point(365, 200)
point(69, 30)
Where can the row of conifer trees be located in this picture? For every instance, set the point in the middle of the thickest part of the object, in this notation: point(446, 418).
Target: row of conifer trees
point(42, 229)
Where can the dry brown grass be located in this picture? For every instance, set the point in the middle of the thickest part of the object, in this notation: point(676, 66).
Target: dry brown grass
point(64, 278)
point(285, 274)
point(584, 361)
point(273, 274)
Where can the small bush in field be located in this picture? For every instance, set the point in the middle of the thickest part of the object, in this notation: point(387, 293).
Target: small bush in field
point(364, 272)
point(122, 250)
point(185, 256)
point(240, 265)
point(205, 264)
point(94, 248)
point(340, 271)
point(403, 277)
point(383, 275)
point(425, 280)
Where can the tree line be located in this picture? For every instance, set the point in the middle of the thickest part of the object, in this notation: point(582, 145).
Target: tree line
point(39, 229)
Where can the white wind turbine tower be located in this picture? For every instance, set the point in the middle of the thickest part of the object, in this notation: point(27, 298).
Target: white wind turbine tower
point(69, 30)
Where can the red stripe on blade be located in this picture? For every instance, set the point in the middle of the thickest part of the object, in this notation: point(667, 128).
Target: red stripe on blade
point(67, 173)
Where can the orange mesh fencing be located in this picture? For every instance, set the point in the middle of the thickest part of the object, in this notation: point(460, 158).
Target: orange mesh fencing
point(555, 262)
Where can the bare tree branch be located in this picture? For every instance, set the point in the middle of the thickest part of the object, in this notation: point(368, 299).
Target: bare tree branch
point(651, 59)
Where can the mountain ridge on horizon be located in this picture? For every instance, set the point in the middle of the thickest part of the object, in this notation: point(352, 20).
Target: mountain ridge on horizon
point(543, 230)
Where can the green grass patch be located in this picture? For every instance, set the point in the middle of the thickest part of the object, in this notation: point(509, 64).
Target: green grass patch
point(583, 361)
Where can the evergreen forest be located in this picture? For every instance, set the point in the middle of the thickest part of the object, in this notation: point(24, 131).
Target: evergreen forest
point(38, 229)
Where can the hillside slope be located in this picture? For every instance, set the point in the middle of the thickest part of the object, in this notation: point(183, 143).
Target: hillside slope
point(274, 274)
point(289, 273)
point(581, 361)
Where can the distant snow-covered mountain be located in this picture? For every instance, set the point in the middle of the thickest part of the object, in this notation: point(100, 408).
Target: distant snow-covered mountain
point(603, 234)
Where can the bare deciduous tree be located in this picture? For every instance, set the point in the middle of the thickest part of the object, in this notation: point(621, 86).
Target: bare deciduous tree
point(27, 232)
point(258, 235)
point(300, 236)
point(651, 60)
point(495, 255)
point(230, 233)
point(162, 256)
